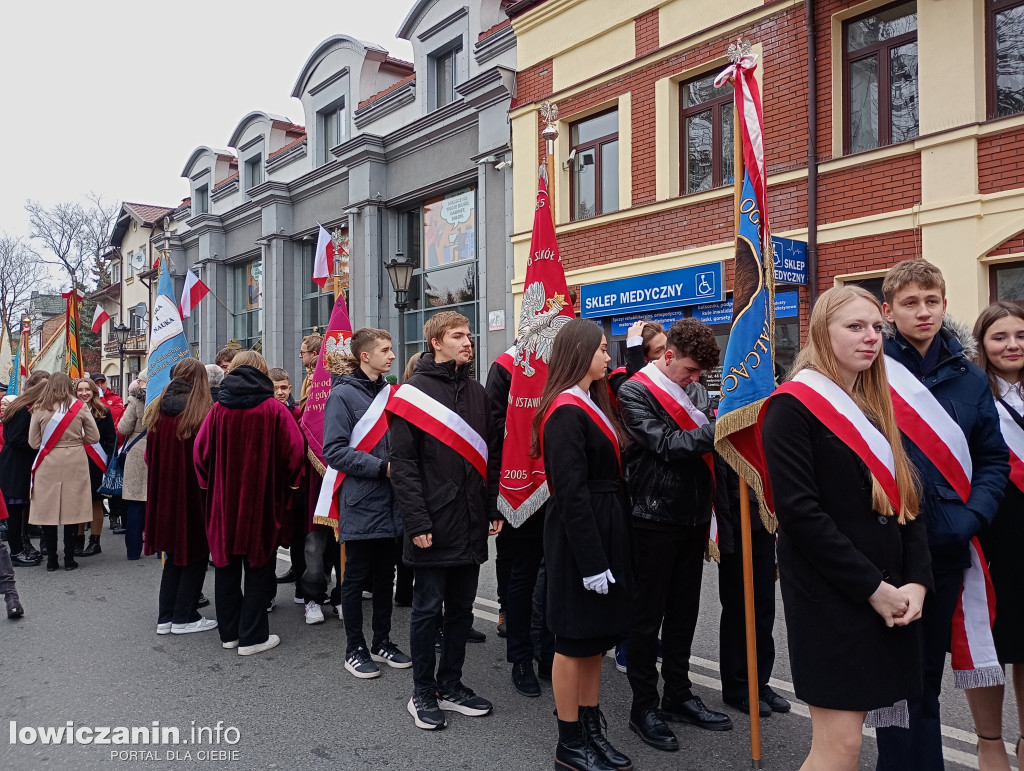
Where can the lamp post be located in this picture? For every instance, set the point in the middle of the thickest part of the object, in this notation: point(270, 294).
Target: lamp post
point(400, 272)
point(121, 336)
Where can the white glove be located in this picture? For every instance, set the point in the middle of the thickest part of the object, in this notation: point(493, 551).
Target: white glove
point(599, 583)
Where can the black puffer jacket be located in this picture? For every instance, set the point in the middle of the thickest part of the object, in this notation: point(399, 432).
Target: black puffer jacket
point(669, 480)
point(437, 490)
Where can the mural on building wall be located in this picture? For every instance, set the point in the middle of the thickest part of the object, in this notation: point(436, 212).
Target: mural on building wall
point(253, 276)
point(449, 248)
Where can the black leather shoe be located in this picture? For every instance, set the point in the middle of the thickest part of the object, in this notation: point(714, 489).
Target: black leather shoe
point(773, 700)
point(525, 680)
point(288, 577)
point(204, 601)
point(475, 636)
point(24, 561)
point(14, 608)
point(743, 705)
point(647, 723)
point(70, 564)
point(594, 725)
point(92, 549)
point(79, 545)
point(29, 551)
point(52, 564)
point(576, 752)
point(694, 712)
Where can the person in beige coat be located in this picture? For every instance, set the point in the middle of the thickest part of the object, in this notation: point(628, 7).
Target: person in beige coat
point(133, 486)
point(62, 492)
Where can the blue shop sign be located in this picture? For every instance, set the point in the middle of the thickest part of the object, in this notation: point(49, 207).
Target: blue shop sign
point(721, 312)
point(790, 260)
point(656, 291)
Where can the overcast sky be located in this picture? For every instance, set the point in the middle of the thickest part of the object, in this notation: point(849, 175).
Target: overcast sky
point(112, 96)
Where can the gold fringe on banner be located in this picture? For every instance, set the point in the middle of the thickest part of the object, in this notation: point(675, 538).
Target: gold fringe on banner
point(737, 420)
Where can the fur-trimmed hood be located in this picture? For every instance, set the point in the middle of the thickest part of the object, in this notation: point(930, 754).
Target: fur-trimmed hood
point(951, 328)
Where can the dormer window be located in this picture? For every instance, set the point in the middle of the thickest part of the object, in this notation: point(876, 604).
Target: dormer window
point(201, 200)
point(253, 172)
point(445, 72)
point(333, 124)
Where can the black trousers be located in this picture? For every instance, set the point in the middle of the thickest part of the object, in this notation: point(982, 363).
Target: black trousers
point(454, 589)
point(503, 564)
point(242, 613)
point(133, 520)
point(15, 532)
point(542, 638)
point(322, 554)
point(732, 635)
point(403, 576)
point(180, 588)
point(668, 565)
point(50, 539)
point(524, 551)
point(919, 748)
point(374, 560)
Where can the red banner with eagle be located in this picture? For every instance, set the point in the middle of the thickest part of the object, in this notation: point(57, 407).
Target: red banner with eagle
point(546, 309)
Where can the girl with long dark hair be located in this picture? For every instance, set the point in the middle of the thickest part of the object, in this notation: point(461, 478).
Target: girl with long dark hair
point(586, 539)
point(175, 522)
point(999, 331)
point(16, 466)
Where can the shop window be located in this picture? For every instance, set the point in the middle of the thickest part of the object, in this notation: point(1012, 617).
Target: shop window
point(706, 126)
point(880, 78)
point(316, 303)
point(1004, 43)
point(873, 285)
point(442, 237)
point(248, 303)
point(594, 174)
point(334, 128)
point(1006, 282)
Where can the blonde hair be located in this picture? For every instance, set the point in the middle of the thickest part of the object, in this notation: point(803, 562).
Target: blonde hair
point(870, 392)
point(250, 359)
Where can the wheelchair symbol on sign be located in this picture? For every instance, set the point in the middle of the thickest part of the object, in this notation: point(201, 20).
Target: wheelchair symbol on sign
point(705, 284)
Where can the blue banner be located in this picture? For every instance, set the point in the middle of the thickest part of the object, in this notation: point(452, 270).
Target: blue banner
point(167, 342)
point(13, 386)
point(656, 291)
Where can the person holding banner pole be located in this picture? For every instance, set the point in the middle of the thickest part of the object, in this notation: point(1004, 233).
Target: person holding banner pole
point(60, 487)
point(999, 332)
point(99, 453)
point(853, 552)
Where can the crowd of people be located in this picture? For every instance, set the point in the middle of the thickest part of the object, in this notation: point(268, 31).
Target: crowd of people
point(892, 474)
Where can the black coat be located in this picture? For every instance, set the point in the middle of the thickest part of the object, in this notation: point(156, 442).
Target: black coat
point(17, 456)
point(635, 362)
point(366, 501)
point(669, 481)
point(438, 491)
point(834, 551)
point(108, 441)
point(587, 528)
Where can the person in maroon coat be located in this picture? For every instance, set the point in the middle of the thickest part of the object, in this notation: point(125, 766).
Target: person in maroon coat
point(248, 457)
point(174, 501)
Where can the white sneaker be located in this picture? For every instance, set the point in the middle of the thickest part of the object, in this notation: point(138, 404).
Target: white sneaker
point(298, 600)
point(163, 628)
point(313, 613)
point(337, 609)
point(230, 644)
point(272, 642)
point(202, 625)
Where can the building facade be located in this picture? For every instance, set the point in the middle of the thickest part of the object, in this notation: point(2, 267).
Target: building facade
point(919, 116)
point(399, 156)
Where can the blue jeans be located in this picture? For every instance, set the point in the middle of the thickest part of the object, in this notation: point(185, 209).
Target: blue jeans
point(455, 589)
point(134, 524)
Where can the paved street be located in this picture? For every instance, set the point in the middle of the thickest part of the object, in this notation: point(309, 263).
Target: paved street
point(87, 652)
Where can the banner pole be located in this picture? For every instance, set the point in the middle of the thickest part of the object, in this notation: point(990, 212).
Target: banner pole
point(746, 538)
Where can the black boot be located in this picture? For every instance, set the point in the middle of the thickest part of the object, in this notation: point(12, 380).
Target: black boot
point(594, 725)
point(29, 550)
point(43, 548)
point(22, 560)
point(92, 548)
point(575, 752)
point(52, 563)
point(14, 608)
point(79, 545)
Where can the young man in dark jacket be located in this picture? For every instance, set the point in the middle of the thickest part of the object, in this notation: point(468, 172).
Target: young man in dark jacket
point(444, 456)
point(368, 522)
point(915, 303)
point(668, 469)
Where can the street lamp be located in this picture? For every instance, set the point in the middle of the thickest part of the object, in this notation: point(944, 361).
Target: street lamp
point(400, 272)
point(121, 336)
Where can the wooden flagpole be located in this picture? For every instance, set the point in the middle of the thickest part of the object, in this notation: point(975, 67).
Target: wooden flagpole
point(746, 537)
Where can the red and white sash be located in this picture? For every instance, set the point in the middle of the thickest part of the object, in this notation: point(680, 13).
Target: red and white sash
point(839, 412)
point(432, 417)
point(1013, 435)
point(507, 360)
point(973, 651)
point(578, 397)
point(366, 434)
point(925, 423)
point(52, 433)
point(97, 455)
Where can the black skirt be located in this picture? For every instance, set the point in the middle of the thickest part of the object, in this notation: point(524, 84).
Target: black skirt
point(583, 649)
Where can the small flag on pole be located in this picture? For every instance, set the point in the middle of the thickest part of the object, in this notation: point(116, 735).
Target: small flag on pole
point(194, 291)
point(98, 318)
point(324, 258)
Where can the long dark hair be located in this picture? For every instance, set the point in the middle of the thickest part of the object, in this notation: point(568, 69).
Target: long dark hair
point(993, 313)
point(571, 355)
point(33, 387)
point(99, 409)
point(192, 372)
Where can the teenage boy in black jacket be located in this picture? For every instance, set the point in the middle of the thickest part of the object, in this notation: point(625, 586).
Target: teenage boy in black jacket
point(449, 508)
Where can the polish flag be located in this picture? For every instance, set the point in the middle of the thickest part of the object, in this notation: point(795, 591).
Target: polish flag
point(194, 291)
point(98, 318)
point(324, 258)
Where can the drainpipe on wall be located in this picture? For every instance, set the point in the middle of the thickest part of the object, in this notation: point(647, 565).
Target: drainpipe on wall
point(812, 156)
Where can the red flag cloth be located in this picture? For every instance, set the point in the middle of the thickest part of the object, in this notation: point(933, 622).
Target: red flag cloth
point(98, 318)
point(324, 258)
point(546, 309)
point(194, 291)
point(339, 331)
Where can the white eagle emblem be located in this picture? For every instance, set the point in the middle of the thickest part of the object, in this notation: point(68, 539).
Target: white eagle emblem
point(337, 342)
point(539, 322)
